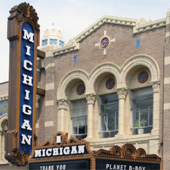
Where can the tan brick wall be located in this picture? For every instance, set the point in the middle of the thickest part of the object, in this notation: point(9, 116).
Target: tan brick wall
point(89, 56)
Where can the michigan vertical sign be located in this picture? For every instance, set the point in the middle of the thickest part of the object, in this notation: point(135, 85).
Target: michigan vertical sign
point(26, 87)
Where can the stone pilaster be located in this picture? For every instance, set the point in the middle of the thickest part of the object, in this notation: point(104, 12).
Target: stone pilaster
point(156, 110)
point(122, 93)
point(90, 118)
point(62, 124)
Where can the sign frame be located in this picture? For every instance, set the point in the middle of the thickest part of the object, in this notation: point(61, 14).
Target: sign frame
point(126, 153)
point(19, 15)
point(65, 142)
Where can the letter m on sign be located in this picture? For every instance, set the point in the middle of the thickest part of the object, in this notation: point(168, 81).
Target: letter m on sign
point(29, 36)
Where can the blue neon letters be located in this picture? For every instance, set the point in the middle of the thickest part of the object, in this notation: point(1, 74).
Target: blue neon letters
point(26, 87)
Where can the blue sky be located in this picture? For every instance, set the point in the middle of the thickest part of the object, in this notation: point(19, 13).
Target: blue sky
point(74, 16)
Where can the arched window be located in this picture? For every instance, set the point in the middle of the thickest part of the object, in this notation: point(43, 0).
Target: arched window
point(141, 98)
point(79, 118)
point(109, 115)
point(142, 110)
point(108, 103)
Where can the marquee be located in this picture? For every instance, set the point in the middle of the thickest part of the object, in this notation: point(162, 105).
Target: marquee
point(82, 157)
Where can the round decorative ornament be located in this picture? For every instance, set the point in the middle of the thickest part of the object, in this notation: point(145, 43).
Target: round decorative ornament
point(80, 89)
point(104, 42)
point(143, 77)
point(110, 83)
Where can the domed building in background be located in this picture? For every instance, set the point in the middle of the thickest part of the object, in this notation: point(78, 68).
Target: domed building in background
point(52, 36)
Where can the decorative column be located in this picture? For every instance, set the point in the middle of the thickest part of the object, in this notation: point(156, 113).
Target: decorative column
point(90, 102)
point(156, 103)
point(122, 93)
point(62, 115)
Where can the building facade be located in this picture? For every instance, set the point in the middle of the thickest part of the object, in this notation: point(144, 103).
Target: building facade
point(109, 85)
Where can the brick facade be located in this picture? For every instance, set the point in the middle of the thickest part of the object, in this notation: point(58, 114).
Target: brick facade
point(122, 60)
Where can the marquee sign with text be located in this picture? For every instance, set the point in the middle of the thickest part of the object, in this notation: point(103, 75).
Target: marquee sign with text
point(83, 164)
point(62, 153)
point(125, 165)
point(23, 35)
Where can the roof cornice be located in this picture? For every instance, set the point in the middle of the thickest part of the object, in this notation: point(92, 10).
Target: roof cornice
point(139, 25)
point(149, 25)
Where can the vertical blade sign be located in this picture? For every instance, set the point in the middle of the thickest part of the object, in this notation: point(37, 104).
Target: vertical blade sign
point(23, 35)
point(26, 88)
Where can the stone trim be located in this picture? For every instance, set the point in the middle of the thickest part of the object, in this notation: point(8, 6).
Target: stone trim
point(140, 59)
point(167, 34)
point(138, 28)
point(167, 106)
point(130, 138)
point(90, 98)
point(74, 74)
point(62, 104)
point(167, 80)
point(49, 86)
point(49, 103)
point(68, 48)
point(49, 124)
point(122, 93)
point(155, 86)
point(167, 60)
point(50, 65)
point(37, 125)
point(139, 25)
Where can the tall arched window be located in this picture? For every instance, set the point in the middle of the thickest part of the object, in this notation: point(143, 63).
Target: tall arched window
point(141, 97)
point(108, 103)
point(109, 115)
point(142, 110)
point(79, 118)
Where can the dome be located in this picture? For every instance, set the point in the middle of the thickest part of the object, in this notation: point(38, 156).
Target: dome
point(53, 30)
point(53, 36)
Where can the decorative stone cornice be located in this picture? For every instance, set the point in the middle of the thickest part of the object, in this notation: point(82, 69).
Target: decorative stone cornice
point(155, 86)
point(66, 49)
point(90, 98)
point(139, 25)
point(149, 25)
point(62, 104)
point(122, 93)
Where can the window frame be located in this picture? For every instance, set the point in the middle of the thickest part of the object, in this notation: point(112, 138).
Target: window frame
point(102, 132)
point(78, 118)
point(137, 112)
